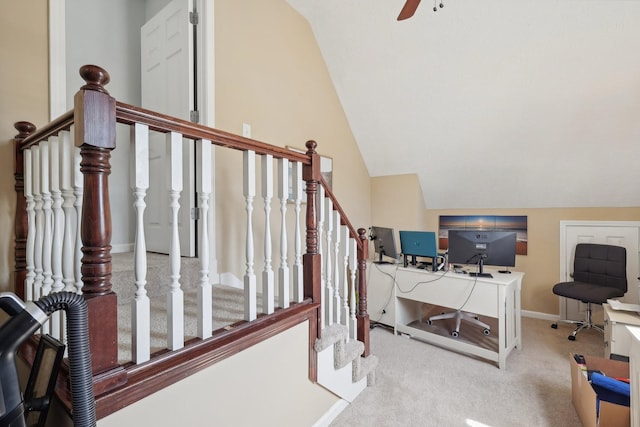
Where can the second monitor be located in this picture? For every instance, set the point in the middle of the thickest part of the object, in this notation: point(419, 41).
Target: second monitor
point(419, 244)
point(483, 247)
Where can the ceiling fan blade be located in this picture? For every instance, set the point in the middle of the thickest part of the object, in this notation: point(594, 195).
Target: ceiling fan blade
point(408, 9)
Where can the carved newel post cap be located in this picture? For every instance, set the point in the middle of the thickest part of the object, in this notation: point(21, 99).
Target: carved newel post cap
point(311, 146)
point(95, 77)
point(362, 233)
point(24, 129)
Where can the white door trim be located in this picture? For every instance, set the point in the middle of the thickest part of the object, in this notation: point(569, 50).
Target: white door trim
point(57, 59)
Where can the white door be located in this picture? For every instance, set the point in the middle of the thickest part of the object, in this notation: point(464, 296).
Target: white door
point(618, 233)
point(167, 51)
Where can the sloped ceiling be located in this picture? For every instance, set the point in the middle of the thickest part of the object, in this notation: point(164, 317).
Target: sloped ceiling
point(493, 103)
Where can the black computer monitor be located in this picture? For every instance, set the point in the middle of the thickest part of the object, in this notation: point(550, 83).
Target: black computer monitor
point(482, 247)
point(384, 243)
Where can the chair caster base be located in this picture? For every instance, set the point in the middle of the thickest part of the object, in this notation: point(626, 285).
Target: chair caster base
point(554, 326)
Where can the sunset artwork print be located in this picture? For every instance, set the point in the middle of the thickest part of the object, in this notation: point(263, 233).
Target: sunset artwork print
point(484, 222)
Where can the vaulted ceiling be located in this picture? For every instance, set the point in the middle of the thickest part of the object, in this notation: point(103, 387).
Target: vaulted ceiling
point(493, 103)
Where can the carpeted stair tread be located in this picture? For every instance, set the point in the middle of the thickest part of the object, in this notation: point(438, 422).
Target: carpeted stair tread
point(365, 367)
point(330, 335)
point(346, 352)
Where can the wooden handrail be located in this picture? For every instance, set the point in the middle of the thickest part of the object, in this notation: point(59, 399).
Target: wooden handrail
point(129, 114)
point(343, 217)
point(63, 122)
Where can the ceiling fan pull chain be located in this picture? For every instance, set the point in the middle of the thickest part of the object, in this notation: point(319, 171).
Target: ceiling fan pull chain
point(435, 8)
point(441, 4)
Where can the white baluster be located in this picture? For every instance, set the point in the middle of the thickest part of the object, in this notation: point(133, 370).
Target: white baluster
point(249, 191)
point(39, 226)
point(205, 314)
point(175, 296)
point(298, 272)
point(47, 281)
point(344, 274)
point(69, 236)
point(140, 306)
point(323, 258)
point(353, 268)
point(47, 202)
point(337, 267)
point(31, 225)
point(329, 260)
point(214, 276)
point(283, 271)
point(66, 181)
point(267, 274)
point(57, 231)
point(78, 191)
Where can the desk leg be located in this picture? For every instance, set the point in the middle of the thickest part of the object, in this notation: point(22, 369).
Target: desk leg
point(503, 337)
point(512, 335)
point(518, 317)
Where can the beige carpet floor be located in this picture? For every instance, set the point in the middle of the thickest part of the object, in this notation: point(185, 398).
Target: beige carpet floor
point(227, 302)
point(418, 384)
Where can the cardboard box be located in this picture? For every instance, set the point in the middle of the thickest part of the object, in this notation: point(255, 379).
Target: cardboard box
point(584, 397)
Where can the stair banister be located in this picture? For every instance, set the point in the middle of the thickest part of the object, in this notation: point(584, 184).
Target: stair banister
point(363, 316)
point(95, 134)
point(362, 250)
point(312, 260)
point(93, 121)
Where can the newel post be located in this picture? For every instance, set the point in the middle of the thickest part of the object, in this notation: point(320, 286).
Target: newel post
point(311, 260)
point(20, 226)
point(95, 133)
point(363, 316)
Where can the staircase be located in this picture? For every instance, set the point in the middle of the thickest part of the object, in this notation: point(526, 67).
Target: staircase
point(340, 367)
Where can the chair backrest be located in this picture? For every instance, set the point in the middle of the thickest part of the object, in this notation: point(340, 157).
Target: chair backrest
point(604, 265)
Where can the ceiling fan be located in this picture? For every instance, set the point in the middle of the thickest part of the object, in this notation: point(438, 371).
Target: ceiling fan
point(410, 7)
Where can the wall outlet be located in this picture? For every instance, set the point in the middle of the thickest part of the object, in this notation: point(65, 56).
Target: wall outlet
point(246, 130)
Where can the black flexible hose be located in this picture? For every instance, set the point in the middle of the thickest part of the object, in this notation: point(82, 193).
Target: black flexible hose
point(81, 378)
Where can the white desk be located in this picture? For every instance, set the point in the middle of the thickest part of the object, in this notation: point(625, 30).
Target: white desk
point(497, 297)
point(634, 373)
point(617, 338)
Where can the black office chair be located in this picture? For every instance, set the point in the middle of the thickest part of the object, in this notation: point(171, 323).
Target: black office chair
point(599, 273)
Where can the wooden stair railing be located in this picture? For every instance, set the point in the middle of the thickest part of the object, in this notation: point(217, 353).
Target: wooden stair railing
point(363, 321)
point(93, 120)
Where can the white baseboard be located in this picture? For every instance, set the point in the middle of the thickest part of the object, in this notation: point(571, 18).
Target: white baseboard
point(331, 414)
point(122, 248)
point(230, 279)
point(539, 315)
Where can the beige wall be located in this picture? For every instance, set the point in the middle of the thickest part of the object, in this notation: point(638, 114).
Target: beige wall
point(393, 204)
point(270, 74)
point(23, 96)
point(396, 201)
point(402, 191)
point(261, 396)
